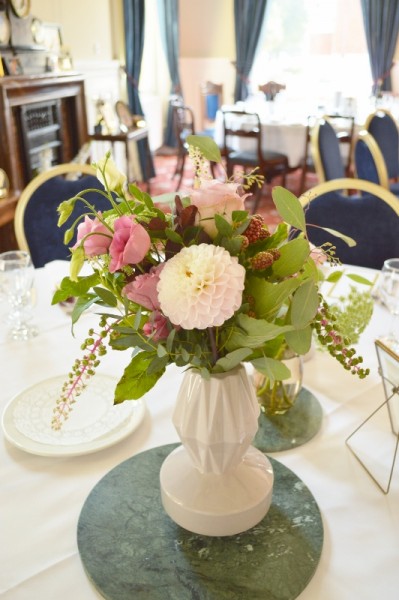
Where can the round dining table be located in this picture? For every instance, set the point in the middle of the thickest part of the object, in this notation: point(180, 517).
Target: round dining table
point(41, 496)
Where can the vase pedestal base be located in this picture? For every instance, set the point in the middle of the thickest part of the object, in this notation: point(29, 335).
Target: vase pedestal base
point(216, 504)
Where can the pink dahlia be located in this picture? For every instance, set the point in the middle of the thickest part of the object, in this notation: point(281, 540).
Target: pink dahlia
point(201, 287)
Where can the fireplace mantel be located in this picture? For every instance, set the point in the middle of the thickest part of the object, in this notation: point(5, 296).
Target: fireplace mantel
point(21, 91)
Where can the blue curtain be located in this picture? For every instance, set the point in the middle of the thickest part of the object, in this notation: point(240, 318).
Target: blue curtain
point(381, 25)
point(134, 14)
point(248, 22)
point(169, 24)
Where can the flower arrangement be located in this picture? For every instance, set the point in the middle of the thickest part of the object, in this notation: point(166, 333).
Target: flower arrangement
point(206, 286)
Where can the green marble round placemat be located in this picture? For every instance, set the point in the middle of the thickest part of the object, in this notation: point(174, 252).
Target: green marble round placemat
point(131, 549)
point(299, 424)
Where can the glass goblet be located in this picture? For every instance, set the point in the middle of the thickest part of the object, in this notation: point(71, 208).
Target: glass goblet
point(389, 294)
point(16, 281)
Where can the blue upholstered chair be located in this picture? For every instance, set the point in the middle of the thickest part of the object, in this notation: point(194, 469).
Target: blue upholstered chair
point(370, 218)
point(326, 152)
point(382, 126)
point(368, 159)
point(36, 214)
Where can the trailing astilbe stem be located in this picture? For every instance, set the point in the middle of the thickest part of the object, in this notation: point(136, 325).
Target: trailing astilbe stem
point(82, 370)
point(330, 337)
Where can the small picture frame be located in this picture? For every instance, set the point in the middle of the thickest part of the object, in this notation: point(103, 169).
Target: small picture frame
point(12, 65)
point(52, 38)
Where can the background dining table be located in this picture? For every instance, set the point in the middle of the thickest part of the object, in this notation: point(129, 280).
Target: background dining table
point(41, 497)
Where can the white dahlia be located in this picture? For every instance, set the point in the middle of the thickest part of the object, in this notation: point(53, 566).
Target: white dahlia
point(201, 287)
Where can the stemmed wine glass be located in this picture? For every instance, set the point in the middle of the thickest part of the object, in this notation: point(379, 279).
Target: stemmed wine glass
point(16, 281)
point(389, 294)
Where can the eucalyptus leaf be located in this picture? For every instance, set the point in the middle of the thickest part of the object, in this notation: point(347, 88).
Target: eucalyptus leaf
point(269, 297)
point(359, 279)
point(223, 226)
point(253, 333)
point(206, 145)
point(334, 276)
point(232, 359)
point(273, 369)
point(293, 255)
point(304, 304)
point(345, 238)
point(289, 208)
point(300, 340)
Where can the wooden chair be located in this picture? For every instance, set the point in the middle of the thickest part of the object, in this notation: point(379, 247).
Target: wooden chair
point(211, 101)
point(271, 89)
point(244, 146)
point(370, 218)
point(36, 214)
point(184, 125)
point(127, 120)
point(344, 128)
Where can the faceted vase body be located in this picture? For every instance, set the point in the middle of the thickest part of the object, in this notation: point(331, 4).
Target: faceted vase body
point(278, 397)
point(216, 483)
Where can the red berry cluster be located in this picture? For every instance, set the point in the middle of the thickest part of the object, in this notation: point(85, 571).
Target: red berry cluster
point(264, 259)
point(256, 229)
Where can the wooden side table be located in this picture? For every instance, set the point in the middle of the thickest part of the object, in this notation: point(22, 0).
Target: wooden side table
point(131, 135)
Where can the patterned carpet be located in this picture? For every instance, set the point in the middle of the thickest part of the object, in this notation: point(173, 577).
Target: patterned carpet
point(164, 183)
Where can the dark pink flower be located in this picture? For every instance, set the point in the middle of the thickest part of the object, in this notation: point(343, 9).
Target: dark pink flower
point(129, 245)
point(157, 326)
point(97, 244)
point(143, 290)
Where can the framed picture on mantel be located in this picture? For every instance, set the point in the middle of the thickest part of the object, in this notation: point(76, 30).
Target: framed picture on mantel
point(12, 65)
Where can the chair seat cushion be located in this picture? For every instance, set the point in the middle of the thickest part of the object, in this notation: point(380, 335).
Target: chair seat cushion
point(251, 158)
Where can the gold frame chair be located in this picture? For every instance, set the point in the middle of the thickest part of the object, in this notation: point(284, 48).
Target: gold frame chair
point(377, 157)
point(63, 169)
point(348, 183)
point(343, 137)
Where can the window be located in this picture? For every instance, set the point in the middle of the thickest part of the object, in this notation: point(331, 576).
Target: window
point(317, 48)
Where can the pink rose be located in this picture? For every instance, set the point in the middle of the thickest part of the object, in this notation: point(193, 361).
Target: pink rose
point(157, 326)
point(215, 197)
point(143, 290)
point(129, 245)
point(98, 237)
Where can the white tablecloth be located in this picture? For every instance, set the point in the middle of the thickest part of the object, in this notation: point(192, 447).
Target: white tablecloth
point(41, 498)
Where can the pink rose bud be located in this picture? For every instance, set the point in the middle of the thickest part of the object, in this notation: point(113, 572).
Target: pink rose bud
point(157, 326)
point(98, 237)
point(143, 290)
point(129, 245)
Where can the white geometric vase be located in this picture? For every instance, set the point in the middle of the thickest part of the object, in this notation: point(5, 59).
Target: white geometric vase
point(216, 483)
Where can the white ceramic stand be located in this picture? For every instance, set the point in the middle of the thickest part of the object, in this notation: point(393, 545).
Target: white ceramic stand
point(216, 504)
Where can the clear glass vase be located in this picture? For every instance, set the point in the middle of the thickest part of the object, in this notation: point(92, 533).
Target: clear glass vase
point(279, 397)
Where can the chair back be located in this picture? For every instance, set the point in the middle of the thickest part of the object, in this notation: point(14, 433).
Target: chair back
point(382, 126)
point(184, 124)
point(36, 216)
point(369, 161)
point(243, 129)
point(127, 120)
point(370, 218)
point(211, 101)
point(326, 151)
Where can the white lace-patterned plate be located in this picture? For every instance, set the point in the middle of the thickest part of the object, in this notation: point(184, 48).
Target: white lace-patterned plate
point(94, 423)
